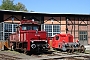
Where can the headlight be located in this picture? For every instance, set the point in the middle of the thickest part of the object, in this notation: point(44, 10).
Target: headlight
point(65, 43)
point(46, 41)
point(47, 45)
point(32, 41)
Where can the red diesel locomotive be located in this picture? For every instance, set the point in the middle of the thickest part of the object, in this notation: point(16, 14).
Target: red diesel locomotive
point(65, 42)
point(29, 37)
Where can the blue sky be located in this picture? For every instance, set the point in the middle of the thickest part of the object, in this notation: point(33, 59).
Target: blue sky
point(57, 6)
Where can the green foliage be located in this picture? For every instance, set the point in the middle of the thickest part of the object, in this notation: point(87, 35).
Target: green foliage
point(20, 7)
point(9, 5)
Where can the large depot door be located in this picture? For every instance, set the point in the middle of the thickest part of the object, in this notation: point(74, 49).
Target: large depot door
point(83, 37)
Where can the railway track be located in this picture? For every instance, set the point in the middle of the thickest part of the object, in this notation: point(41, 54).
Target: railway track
point(63, 56)
point(7, 57)
point(56, 55)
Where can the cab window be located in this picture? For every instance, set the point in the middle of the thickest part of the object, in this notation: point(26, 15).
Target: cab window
point(35, 27)
point(29, 28)
point(24, 28)
point(57, 37)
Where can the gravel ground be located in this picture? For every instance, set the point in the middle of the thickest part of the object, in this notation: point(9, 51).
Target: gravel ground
point(22, 56)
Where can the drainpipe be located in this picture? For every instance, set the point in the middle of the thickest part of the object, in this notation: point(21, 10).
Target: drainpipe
point(52, 26)
point(66, 25)
point(12, 24)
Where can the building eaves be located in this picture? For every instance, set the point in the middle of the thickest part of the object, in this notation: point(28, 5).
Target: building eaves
point(45, 13)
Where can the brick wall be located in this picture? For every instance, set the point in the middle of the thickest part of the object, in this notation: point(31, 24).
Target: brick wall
point(63, 27)
point(10, 19)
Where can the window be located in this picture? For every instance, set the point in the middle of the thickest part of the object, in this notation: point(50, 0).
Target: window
point(35, 27)
point(14, 27)
point(48, 28)
point(24, 28)
point(1, 26)
point(57, 37)
point(82, 35)
point(8, 27)
point(49, 34)
point(56, 28)
point(29, 28)
point(1, 35)
point(51, 29)
point(7, 35)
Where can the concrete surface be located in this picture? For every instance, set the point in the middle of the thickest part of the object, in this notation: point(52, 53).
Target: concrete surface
point(87, 47)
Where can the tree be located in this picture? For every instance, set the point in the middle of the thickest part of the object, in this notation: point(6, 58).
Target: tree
point(20, 7)
point(9, 5)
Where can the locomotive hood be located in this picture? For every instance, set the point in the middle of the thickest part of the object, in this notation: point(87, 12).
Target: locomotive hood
point(34, 35)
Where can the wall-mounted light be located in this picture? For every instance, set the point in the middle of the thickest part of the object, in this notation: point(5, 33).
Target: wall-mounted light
point(52, 21)
point(67, 19)
point(12, 19)
point(24, 17)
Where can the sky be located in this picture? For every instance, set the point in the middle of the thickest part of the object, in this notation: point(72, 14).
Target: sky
point(57, 6)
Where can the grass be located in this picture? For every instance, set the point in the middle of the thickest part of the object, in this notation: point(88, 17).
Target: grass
point(87, 51)
point(15, 52)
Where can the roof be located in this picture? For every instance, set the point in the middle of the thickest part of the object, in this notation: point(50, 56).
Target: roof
point(45, 13)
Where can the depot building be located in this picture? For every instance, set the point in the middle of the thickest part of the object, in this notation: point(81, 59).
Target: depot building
point(54, 23)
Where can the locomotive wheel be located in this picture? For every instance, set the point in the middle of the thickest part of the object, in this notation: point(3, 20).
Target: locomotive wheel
point(82, 49)
point(25, 51)
point(12, 48)
point(70, 49)
point(79, 49)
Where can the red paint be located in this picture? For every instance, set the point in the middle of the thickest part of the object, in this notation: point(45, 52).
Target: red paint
point(63, 38)
point(29, 35)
